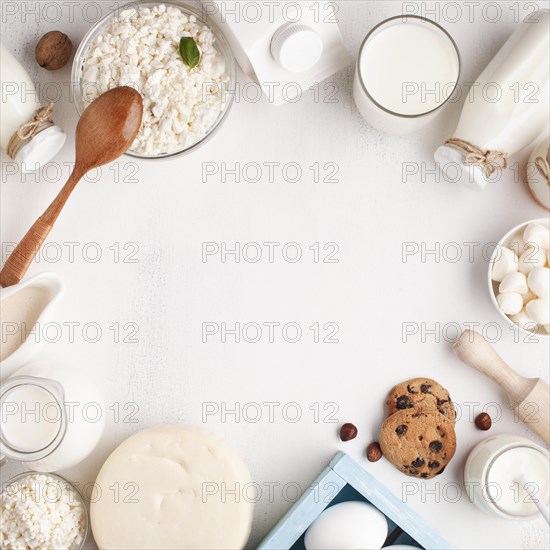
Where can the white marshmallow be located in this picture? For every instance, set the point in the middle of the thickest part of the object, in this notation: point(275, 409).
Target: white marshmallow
point(510, 303)
point(528, 296)
point(537, 235)
point(530, 259)
point(514, 282)
point(505, 262)
point(524, 321)
point(539, 282)
point(538, 310)
point(517, 244)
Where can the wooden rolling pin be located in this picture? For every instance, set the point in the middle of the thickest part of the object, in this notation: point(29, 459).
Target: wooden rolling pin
point(530, 397)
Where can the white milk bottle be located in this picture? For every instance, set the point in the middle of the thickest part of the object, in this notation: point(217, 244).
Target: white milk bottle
point(27, 132)
point(507, 107)
point(52, 417)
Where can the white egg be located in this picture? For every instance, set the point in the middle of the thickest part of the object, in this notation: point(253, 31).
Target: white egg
point(530, 259)
point(505, 262)
point(539, 282)
point(514, 282)
point(510, 303)
point(539, 311)
point(524, 321)
point(348, 526)
point(537, 235)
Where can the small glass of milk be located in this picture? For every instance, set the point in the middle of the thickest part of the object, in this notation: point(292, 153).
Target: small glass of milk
point(407, 69)
point(505, 474)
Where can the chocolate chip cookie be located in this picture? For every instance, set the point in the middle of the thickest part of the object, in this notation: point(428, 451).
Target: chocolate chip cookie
point(418, 443)
point(420, 394)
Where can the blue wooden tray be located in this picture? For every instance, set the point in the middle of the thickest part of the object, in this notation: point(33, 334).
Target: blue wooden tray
point(345, 480)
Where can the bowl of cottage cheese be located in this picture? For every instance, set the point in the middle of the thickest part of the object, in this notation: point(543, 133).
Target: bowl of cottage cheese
point(186, 88)
point(41, 511)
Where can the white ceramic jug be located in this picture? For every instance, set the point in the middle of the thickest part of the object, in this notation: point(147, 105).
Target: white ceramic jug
point(24, 308)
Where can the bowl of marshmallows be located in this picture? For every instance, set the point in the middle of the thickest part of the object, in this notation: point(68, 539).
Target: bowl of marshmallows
point(519, 277)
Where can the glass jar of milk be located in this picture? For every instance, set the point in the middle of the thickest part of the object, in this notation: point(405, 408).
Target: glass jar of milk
point(504, 474)
point(52, 417)
point(18, 107)
point(408, 68)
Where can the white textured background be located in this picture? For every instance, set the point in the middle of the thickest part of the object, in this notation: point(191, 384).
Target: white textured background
point(168, 212)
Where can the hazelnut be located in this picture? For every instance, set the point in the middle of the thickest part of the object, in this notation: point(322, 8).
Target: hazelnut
point(348, 432)
point(374, 452)
point(53, 50)
point(483, 421)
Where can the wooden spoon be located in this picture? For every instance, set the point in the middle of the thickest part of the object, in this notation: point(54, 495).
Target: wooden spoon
point(104, 132)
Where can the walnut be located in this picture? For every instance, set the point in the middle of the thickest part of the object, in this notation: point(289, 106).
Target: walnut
point(53, 50)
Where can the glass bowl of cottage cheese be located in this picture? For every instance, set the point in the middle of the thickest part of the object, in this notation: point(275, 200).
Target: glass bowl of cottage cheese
point(138, 45)
point(40, 511)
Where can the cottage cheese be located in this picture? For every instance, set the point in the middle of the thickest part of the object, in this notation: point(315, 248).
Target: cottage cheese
point(41, 511)
point(140, 48)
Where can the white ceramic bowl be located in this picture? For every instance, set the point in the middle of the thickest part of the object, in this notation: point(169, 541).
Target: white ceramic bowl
point(189, 9)
point(28, 349)
point(493, 285)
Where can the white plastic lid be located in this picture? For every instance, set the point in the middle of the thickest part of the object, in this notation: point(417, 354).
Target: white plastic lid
point(296, 47)
point(452, 168)
point(41, 149)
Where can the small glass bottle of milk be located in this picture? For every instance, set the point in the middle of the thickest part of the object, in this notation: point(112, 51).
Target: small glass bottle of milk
point(407, 70)
point(27, 132)
point(505, 473)
point(507, 107)
point(52, 417)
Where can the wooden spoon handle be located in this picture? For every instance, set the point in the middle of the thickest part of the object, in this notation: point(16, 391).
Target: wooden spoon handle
point(476, 352)
point(21, 258)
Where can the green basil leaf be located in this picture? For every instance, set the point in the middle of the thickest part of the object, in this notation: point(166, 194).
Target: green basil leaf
point(189, 52)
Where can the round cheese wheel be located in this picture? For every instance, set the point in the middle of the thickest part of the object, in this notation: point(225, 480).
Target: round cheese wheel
point(172, 487)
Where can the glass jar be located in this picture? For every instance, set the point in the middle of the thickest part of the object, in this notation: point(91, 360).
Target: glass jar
point(52, 417)
point(505, 474)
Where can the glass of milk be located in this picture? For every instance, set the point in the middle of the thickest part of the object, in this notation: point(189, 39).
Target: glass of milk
point(493, 471)
point(407, 69)
point(52, 417)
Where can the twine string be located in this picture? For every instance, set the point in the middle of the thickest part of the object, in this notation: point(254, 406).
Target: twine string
point(29, 129)
point(543, 168)
point(490, 161)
